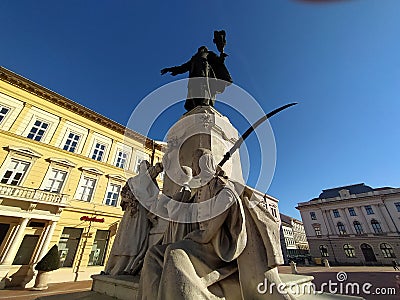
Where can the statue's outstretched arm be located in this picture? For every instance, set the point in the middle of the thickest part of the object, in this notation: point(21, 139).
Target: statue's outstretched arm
point(178, 69)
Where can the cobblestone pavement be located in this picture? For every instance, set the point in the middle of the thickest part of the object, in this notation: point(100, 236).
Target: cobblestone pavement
point(54, 289)
point(378, 282)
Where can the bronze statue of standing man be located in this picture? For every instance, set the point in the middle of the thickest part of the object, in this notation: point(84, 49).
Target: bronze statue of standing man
point(208, 74)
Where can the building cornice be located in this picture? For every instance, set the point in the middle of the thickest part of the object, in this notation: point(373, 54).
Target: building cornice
point(378, 194)
point(92, 170)
point(116, 177)
point(23, 151)
point(52, 97)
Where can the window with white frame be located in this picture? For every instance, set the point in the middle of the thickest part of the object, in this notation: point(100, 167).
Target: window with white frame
point(112, 194)
point(376, 226)
point(324, 251)
point(3, 112)
point(358, 227)
point(138, 162)
point(317, 229)
point(98, 151)
point(387, 250)
point(341, 228)
point(10, 108)
point(15, 172)
point(369, 210)
point(313, 215)
point(349, 250)
point(71, 142)
point(72, 138)
point(336, 213)
point(86, 188)
point(352, 212)
point(38, 130)
point(273, 210)
point(120, 161)
point(55, 181)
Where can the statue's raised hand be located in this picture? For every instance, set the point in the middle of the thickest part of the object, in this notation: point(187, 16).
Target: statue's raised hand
point(165, 70)
point(172, 70)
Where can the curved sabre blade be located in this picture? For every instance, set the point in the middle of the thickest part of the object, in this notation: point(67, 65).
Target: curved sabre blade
point(250, 130)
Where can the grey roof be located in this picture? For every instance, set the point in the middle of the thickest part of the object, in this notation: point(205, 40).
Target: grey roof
point(287, 219)
point(286, 223)
point(354, 189)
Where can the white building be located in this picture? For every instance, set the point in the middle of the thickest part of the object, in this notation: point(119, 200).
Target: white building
point(354, 224)
point(293, 239)
point(288, 244)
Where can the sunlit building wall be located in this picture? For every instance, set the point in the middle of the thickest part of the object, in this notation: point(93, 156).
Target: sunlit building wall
point(62, 167)
point(354, 224)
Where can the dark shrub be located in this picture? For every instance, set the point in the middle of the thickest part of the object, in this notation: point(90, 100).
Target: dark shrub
point(49, 262)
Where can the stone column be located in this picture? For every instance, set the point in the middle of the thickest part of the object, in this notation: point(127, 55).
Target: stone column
point(350, 229)
point(383, 219)
point(326, 221)
point(46, 241)
point(112, 154)
point(57, 133)
point(388, 217)
point(87, 146)
point(15, 243)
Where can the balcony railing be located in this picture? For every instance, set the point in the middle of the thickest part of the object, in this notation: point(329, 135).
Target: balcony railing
point(29, 194)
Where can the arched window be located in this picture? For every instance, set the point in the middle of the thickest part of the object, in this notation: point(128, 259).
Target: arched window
point(387, 250)
point(358, 227)
point(324, 250)
point(341, 228)
point(349, 250)
point(376, 226)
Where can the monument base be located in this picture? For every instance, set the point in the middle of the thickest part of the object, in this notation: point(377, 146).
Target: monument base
point(123, 287)
point(202, 127)
point(126, 287)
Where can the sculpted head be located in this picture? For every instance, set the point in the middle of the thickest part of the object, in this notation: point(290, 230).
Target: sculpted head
point(144, 166)
point(196, 157)
point(202, 49)
point(186, 176)
point(203, 164)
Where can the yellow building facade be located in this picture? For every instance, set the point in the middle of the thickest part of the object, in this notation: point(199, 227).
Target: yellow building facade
point(62, 167)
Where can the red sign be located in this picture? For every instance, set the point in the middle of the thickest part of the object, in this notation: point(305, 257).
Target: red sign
point(92, 219)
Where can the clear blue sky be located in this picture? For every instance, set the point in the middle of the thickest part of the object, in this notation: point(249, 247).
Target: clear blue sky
point(340, 60)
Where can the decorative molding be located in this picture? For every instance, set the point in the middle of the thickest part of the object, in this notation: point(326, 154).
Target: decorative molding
point(116, 177)
point(61, 161)
point(23, 151)
point(344, 193)
point(91, 170)
point(206, 119)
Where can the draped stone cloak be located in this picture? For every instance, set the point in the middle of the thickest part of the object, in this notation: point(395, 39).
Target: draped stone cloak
point(131, 241)
point(236, 246)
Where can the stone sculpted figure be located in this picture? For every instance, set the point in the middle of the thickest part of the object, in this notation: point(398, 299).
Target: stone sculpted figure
point(208, 74)
point(179, 211)
point(235, 248)
point(131, 242)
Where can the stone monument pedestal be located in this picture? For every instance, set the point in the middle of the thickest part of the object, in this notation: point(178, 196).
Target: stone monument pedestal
point(123, 287)
point(202, 127)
